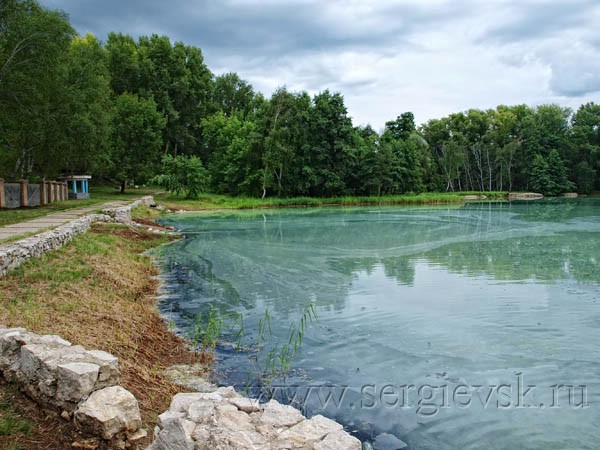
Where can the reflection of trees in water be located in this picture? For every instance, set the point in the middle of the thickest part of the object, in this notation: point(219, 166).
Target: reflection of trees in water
point(556, 209)
point(283, 260)
point(555, 257)
point(401, 268)
point(561, 256)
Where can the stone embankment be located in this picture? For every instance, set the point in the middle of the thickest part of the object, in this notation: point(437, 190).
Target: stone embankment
point(225, 420)
point(81, 385)
point(122, 214)
point(13, 254)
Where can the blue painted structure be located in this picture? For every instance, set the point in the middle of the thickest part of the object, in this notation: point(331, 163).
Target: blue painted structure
point(80, 186)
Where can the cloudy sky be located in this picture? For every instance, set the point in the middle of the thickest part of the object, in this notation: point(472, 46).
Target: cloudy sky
point(431, 57)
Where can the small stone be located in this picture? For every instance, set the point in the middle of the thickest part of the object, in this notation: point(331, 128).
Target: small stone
point(245, 404)
point(88, 444)
point(386, 441)
point(65, 415)
point(189, 376)
point(280, 415)
point(227, 392)
point(245, 439)
point(138, 435)
point(109, 368)
point(53, 339)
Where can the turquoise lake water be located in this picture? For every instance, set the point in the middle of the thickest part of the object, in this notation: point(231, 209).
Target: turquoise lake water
point(462, 327)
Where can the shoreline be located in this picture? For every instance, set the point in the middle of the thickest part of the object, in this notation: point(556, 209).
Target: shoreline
point(341, 431)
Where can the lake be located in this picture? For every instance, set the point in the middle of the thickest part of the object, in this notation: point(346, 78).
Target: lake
point(455, 327)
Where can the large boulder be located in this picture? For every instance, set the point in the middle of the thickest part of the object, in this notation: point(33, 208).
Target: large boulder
point(109, 412)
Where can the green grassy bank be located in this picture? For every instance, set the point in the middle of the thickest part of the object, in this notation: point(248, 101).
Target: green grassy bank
point(213, 201)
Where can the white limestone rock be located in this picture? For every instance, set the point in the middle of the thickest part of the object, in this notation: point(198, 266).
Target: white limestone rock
point(108, 412)
point(75, 381)
point(109, 374)
point(182, 402)
point(338, 440)
point(177, 435)
point(202, 411)
point(279, 415)
point(314, 429)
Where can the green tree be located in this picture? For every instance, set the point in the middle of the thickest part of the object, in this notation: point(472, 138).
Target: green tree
point(231, 94)
point(86, 107)
point(182, 174)
point(136, 138)
point(585, 147)
point(123, 63)
point(284, 127)
point(34, 43)
point(176, 77)
point(234, 164)
point(540, 175)
point(549, 175)
point(402, 127)
point(558, 174)
point(327, 157)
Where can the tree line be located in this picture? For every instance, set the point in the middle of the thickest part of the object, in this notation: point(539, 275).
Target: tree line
point(131, 110)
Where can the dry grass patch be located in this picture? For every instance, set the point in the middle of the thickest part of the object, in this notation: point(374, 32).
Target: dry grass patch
point(98, 292)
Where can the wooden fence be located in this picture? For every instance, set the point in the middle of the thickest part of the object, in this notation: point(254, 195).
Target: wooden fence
point(22, 194)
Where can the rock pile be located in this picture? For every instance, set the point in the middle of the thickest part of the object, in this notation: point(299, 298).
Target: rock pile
point(225, 420)
point(80, 384)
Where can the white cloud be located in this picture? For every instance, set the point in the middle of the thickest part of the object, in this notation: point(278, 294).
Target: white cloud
point(386, 57)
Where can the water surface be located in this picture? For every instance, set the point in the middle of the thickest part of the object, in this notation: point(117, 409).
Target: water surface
point(437, 319)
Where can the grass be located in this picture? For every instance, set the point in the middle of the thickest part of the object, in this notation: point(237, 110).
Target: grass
point(214, 202)
point(97, 292)
point(99, 195)
point(13, 427)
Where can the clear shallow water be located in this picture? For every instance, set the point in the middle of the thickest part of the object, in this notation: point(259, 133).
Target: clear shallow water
point(433, 322)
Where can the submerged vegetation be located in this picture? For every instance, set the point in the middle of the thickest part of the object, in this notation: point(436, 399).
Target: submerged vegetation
point(133, 109)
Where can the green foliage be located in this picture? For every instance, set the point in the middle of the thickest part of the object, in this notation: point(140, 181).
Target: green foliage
point(86, 108)
point(205, 331)
point(230, 145)
point(585, 177)
point(274, 357)
point(231, 95)
point(549, 175)
point(136, 138)
point(12, 423)
point(34, 44)
point(182, 174)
